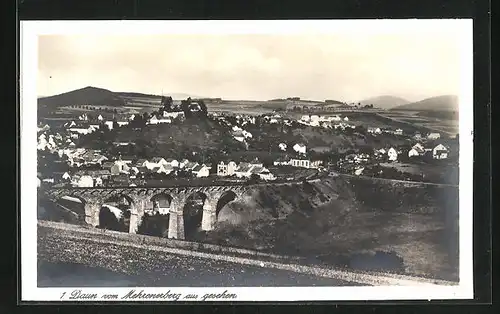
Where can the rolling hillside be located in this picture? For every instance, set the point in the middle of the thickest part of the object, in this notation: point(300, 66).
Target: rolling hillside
point(439, 103)
point(176, 96)
point(385, 101)
point(98, 96)
point(85, 96)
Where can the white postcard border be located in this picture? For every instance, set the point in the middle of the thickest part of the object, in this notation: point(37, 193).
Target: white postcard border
point(29, 32)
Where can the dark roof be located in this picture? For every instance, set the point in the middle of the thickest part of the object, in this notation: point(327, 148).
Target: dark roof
point(198, 168)
point(128, 158)
point(257, 169)
point(156, 159)
point(244, 168)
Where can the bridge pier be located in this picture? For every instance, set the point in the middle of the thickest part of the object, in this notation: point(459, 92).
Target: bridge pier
point(176, 219)
point(134, 222)
point(92, 213)
point(209, 215)
point(176, 226)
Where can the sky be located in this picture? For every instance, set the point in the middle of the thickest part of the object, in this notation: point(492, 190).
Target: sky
point(336, 66)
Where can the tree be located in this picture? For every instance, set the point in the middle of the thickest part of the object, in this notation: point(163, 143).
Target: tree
point(166, 103)
point(203, 108)
point(185, 106)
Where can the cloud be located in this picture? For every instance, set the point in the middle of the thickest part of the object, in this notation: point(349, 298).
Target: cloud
point(414, 65)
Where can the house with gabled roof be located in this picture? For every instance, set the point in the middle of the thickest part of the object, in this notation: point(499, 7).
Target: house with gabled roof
point(201, 171)
point(440, 152)
point(190, 165)
point(173, 162)
point(392, 153)
point(224, 169)
point(163, 168)
point(433, 136)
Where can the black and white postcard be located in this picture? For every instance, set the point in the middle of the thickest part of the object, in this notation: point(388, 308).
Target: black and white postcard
point(246, 160)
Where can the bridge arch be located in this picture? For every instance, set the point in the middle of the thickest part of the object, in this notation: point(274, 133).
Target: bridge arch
point(65, 208)
point(161, 203)
point(156, 218)
point(115, 213)
point(192, 213)
point(225, 198)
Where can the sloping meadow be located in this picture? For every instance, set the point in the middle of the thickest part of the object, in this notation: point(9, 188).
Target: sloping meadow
point(354, 223)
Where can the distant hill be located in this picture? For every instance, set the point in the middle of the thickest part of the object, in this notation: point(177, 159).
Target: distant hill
point(138, 95)
point(98, 96)
point(85, 96)
point(176, 96)
point(439, 103)
point(385, 101)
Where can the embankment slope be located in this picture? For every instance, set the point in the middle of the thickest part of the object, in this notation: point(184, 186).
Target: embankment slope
point(347, 222)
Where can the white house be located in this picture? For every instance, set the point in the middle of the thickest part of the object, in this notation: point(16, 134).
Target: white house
point(183, 162)
point(100, 118)
point(305, 118)
point(393, 154)
point(382, 151)
point(303, 163)
point(86, 181)
point(156, 120)
point(226, 169)
point(281, 162)
point(246, 134)
point(359, 171)
point(98, 181)
point(299, 148)
point(79, 130)
point(433, 136)
point(109, 124)
point(166, 169)
point(201, 171)
point(173, 115)
point(156, 162)
point(398, 132)
point(263, 173)
point(315, 164)
point(244, 170)
point(440, 152)
point(346, 119)
point(66, 176)
point(282, 146)
point(173, 162)
point(375, 130)
point(416, 150)
point(239, 138)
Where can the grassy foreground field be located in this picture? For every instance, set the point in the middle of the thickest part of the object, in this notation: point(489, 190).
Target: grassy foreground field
point(67, 252)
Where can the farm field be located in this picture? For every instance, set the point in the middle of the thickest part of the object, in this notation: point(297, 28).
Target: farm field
point(448, 126)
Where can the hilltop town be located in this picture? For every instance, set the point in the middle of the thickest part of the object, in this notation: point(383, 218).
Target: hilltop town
point(187, 141)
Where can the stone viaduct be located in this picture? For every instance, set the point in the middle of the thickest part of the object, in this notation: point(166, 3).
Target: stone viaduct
point(141, 198)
